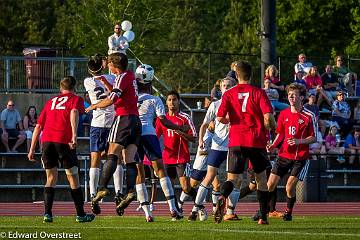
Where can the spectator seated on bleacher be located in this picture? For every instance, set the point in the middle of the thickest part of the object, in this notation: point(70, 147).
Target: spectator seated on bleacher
point(341, 113)
point(302, 66)
point(318, 147)
point(299, 78)
point(313, 84)
point(271, 73)
point(352, 144)
point(357, 113)
point(330, 82)
point(332, 142)
point(273, 95)
point(30, 121)
point(10, 119)
point(346, 77)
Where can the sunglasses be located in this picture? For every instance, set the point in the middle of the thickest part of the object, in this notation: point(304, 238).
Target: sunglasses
point(11, 105)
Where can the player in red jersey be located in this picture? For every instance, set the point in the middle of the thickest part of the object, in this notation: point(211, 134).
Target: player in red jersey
point(249, 112)
point(59, 121)
point(176, 153)
point(296, 130)
point(125, 133)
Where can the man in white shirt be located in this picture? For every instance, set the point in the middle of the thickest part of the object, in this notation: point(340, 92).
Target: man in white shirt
point(117, 42)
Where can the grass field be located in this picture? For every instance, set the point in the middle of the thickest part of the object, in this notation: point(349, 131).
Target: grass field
point(336, 227)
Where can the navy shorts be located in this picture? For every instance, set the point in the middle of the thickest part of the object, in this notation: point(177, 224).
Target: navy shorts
point(238, 156)
point(216, 157)
point(55, 153)
point(296, 168)
point(149, 146)
point(198, 175)
point(98, 138)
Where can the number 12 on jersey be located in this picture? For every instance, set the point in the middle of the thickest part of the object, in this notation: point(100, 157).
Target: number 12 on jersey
point(58, 103)
point(244, 97)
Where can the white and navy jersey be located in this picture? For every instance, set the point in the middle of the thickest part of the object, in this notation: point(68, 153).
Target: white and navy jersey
point(102, 117)
point(220, 139)
point(149, 107)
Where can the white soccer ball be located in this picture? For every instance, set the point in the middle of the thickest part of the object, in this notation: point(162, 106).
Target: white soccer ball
point(144, 73)
point(126, 25)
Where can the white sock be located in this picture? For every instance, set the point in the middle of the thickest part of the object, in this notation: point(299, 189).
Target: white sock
point(118, 177)
point(94, 174)
point(233, 199)
point(143, 198)
point(183, 197)
point(201, 195)
point(168, 190)
point(215, 198)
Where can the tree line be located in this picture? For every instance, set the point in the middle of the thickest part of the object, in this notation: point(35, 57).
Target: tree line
point(190, 43)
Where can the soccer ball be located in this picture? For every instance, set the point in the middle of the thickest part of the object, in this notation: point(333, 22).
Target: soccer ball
point(144, 73)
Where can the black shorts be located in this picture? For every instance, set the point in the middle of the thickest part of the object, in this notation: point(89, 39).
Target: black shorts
point(55, 153)
point(125, 130)
point(12, 133)
point(175, 170)
point(238, 156)
point(296, 168)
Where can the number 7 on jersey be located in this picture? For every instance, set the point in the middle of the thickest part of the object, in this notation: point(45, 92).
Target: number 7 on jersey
point(244, 98)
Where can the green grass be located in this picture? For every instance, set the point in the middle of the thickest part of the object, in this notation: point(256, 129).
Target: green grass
point(336, 227)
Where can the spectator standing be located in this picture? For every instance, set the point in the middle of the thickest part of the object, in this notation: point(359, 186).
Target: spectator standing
point(116, 42)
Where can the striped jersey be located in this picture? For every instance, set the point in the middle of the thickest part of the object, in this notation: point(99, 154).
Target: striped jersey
point(101, 117)
point(299, 125)
point(125, 94)
point(176, 149)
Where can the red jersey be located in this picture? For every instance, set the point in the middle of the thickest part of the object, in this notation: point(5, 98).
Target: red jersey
point(295, 125)
point(176, 149)
point(312, 81)
point(125, 94)
point(55, 117)
point(246, 106)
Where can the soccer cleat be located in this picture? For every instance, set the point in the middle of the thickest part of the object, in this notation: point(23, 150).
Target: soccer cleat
point(192, 216)
point(263, 222)
point(276, 214)
point(287, 217)
point(95, 207)
point(220, 209)
point(124, 203)
point(175, 216)
point(256, 216)
point(149, 219)
point(85, 218)
point(231, 217)
point(100, 195)
point(181, 212)
point(47, 218)
point(203, 216)
point(118, 198)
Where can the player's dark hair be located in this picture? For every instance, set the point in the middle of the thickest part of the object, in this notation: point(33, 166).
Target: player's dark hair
point(95, 64)
point(296, 86)
point(243, 70)
point(119, 60)
point(68, 83)
point(175, 93)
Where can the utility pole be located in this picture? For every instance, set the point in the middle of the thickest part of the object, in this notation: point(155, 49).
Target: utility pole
point(268, 35)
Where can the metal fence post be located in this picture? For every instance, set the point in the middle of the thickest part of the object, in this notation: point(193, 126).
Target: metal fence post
point(7, 63)
point(72, 68)
point(86, 179)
